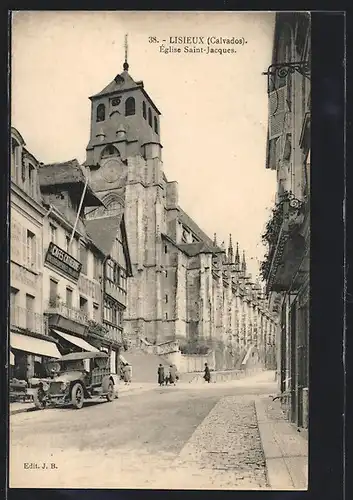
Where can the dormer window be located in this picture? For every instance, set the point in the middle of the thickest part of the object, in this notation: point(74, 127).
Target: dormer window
point(100, 113)
point(150, 117)
point(156, 125)
point(130, 106)
point(144, 111)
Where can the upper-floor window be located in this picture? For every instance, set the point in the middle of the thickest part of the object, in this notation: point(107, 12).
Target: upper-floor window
point(53, 291)
point(53, 233)
point(96, 267)
point(110, 150)
point(83, 304)
point(150, 117)
point(83, 258)
point(69, 297)
point(31, 180)
point(31, 249)
point(100, 113)
point(110, 270)
point(130, 106)
point(144, 111)
point(156, 125)
point(96, 312)
point(15, 160)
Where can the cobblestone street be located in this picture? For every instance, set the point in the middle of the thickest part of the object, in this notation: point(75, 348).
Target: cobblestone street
point(166, 438)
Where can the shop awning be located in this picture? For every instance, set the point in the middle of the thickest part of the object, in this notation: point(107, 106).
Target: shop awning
point(77, 341)
point(12, 359)
point(34, 345)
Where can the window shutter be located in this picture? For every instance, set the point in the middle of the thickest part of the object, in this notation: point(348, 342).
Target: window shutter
point(277, 101)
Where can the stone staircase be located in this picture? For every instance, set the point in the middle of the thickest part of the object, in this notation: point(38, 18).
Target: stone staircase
point(146, 357)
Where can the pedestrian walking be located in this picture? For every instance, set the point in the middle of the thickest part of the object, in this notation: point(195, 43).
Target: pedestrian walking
point(172, 374)
point(207, 374)
point(161, 374)
point(167, 377)
point(127, 374)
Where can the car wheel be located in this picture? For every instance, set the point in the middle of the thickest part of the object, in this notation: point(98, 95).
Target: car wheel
point(77, 396)
point(38, 402)
point(110, 394)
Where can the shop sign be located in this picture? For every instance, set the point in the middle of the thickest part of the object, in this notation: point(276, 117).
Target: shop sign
point(63, 261)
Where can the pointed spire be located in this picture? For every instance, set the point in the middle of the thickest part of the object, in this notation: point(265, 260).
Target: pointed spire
point(237, 256)
point(243, 264)
point(126, 65)
point(215, 239)
point(230, 250)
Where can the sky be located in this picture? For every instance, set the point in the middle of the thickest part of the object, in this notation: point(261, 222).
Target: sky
point(214, 106)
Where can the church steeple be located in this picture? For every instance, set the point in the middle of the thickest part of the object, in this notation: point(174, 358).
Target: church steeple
point(230, 250)
point(237, 256)
point(243, 264)
point(126, 64)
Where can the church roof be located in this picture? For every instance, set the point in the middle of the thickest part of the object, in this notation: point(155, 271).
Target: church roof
point(122, 83)
point(103, 231)
point(185, 219)
point(193, 249)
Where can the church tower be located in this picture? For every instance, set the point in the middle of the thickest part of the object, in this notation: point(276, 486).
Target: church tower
point(124, 123)
point(125, 169)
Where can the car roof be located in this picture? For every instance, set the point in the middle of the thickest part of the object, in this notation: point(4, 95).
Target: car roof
point(76, 356)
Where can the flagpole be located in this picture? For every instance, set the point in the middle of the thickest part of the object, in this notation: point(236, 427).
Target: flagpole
point(78, 212)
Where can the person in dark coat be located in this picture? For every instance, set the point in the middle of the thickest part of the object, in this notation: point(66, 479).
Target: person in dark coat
point(207, 375)
point(172, 374)
point(161, 374)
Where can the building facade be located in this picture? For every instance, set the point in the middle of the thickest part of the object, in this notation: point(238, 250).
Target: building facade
point(286, 267)
point(30, 343)
point(184, 286)
point(109, 234)
point(58, 290)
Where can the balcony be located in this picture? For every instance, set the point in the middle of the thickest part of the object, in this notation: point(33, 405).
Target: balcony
point(286, 244)
point(67, 318)
point(28, 320)
point(114, 333)
point(115, 292)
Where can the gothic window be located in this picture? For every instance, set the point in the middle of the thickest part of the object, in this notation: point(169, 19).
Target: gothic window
point(156, 125)
point(100, 113)
point(130, 106)
point(150, 117)
point(144, 112)
point(110, 150)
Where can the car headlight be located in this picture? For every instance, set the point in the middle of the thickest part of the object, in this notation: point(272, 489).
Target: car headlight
point(63, 386)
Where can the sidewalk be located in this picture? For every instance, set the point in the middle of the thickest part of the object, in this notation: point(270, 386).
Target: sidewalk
point(285, 449)
point(134, 387)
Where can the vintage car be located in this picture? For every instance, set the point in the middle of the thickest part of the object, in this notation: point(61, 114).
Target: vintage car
point(71, 384)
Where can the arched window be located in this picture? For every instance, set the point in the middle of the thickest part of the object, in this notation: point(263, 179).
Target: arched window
point(156, 125)
point(100, 113)
point(110, 150)
point(144, 113)
point(150, 117)
point(130, 106)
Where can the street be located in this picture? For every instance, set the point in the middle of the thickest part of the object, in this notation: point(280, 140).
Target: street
point(184, 437)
